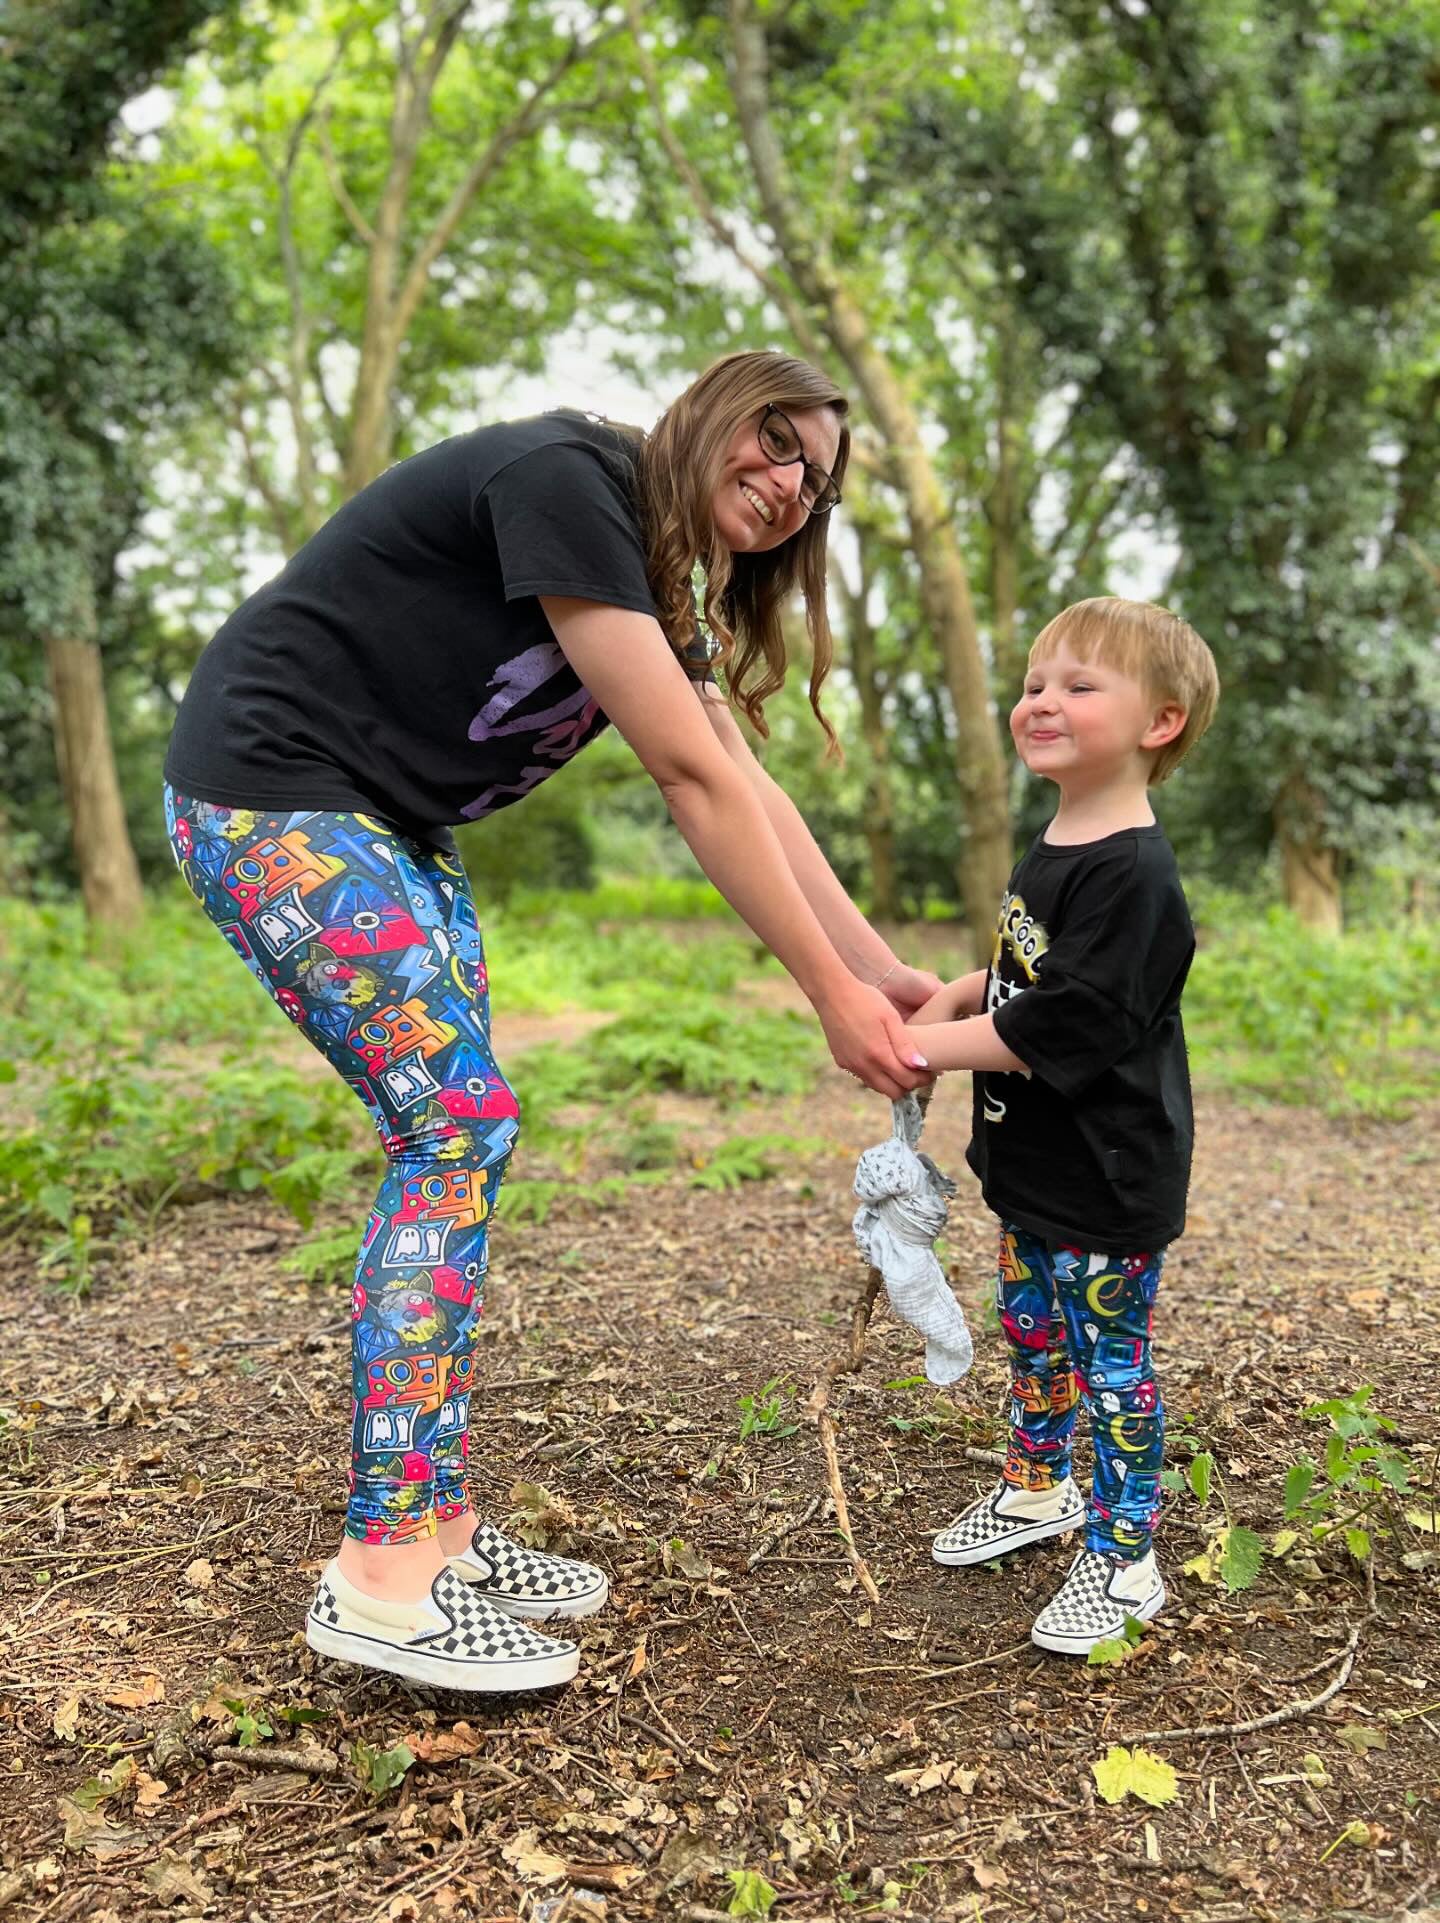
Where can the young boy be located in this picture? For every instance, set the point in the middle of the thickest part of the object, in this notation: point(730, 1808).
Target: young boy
point(1082, 1127)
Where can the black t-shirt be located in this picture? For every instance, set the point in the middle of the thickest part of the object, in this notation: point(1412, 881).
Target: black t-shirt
point(1091, 1149)
point(400, 663)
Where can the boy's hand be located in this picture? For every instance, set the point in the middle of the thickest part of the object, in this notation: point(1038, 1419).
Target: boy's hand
point(955, 1001)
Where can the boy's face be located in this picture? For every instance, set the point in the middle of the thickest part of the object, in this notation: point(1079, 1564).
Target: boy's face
point(1085, 718)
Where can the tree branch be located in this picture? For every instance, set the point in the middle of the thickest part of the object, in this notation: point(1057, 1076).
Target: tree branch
point(796, 318)
point(530, 116)
point(337, 186)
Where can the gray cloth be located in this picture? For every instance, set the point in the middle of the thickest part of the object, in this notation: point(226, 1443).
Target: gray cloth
point(904, 1204)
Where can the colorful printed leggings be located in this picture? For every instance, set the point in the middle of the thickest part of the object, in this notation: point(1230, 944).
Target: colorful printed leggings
point(369, 943)
point(1078, 1326)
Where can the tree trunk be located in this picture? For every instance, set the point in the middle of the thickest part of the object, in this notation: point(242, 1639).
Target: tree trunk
point(879, 800)
point(984, 861)
point(1309, 866)
point(1005, 511)
point(109, 874)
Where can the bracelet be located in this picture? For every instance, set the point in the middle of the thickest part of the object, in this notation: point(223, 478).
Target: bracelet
point(888, 973)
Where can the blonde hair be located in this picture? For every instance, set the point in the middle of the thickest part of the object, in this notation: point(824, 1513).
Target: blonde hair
point(745, 594)
point(1151, 645)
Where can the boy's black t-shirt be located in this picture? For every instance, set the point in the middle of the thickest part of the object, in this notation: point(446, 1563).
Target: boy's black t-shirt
point(1091, 1149)
point(400, 663)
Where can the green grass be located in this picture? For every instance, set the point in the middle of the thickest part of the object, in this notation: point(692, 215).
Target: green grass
point(135, 1077)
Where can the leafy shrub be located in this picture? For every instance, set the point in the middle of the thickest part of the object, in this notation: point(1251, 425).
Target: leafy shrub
point(1276, 1011)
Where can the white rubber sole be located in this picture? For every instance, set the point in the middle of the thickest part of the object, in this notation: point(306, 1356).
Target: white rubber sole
point(432, 1666)
point(538, 1612)
point(1020, 1537)
point(1061, 1644)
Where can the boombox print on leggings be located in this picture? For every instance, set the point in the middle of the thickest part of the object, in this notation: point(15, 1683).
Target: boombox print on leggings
point(369, 942)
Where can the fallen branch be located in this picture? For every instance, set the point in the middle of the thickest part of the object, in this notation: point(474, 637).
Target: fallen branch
point(314, 1762)
point(1289, 1714)
point(817, 1407)
point(786, 1529)
point(666, 1738)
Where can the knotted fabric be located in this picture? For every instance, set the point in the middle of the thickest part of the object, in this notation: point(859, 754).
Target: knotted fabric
point(904, 1204)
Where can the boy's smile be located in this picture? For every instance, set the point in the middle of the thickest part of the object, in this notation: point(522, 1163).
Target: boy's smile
point(1084, 718)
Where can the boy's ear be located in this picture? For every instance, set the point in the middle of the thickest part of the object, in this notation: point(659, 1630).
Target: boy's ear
point(1166, 723)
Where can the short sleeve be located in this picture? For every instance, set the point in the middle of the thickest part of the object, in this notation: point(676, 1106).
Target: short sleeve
point(1115, 967)
point(563, 524)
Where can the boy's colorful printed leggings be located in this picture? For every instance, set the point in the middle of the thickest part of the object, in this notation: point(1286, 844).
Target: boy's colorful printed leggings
point(1078, 1326)
point(369, 943)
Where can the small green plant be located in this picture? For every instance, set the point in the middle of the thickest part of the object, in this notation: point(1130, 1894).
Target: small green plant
point(251, 1726)
point(748, 1158)
point(380, 1770)
point(649, 1145)
point(298, 1716)
point(1117, 1649)
point(1233, 1554)
point(1359, 1476)
point(769, 1412)
point(326, 1258)
point(752, 1894)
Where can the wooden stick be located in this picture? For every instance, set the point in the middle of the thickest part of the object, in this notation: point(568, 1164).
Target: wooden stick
point(314, 1762)
point(817, 1407)
point(774, 1540)
point(1287, 1715)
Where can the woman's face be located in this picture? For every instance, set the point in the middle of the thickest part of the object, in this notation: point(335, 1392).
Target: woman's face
point(757, 501)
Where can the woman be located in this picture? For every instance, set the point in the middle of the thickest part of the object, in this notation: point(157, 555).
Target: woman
point(454, 634)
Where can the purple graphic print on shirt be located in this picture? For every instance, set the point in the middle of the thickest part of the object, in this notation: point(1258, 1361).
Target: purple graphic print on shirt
point(557, 732)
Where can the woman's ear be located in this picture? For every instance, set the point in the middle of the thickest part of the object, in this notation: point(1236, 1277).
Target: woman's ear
point(1166, 723)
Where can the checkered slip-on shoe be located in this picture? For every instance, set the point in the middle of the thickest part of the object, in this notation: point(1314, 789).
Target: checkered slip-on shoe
point(1007, 1519)
point(1094, 1600)
point(456, 1639)
point(527, 1582)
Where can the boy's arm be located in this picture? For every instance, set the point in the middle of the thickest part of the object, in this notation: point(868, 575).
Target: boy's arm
point(964, 996)
point(965, 1044)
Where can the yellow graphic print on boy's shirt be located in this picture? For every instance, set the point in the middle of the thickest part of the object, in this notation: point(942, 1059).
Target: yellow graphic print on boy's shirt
point(1028, 941)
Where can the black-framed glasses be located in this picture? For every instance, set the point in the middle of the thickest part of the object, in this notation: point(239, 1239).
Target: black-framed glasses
point(780, 443)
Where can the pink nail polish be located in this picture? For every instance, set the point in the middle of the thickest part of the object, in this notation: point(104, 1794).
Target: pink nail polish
point(918, 1061)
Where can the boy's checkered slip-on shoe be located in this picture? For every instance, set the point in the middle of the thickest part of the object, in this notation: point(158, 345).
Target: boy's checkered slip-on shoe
point(1006, 1519)
point(1094, 1600)
point(456, 1639)
point(527, 1582)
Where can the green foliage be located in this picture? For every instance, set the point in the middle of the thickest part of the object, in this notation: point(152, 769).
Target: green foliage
point(753, 1895)
point(1277, 1012)
point(1179, 203)
point(380, 1770)
point(1233, 1554)
point(769, 1411)
point(1135, 1772)
point(251, 1725)
point(748, 1158)
point(1360, 1475)
point(1116, 1649)
point(326, 1258)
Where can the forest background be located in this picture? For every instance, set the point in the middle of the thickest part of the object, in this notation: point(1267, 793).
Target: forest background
point(1130, 295)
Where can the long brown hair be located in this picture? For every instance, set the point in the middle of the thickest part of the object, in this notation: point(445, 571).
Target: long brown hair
point(745, 594)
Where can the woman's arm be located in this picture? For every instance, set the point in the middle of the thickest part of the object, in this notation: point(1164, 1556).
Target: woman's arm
point(865, 953)
point(625, 661)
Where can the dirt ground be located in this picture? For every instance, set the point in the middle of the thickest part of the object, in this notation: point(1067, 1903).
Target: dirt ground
point(172, 1483)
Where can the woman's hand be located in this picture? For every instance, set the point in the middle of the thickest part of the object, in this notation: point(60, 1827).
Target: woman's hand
point(868, 1040)
point(954, 1001)
point(908, 989)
